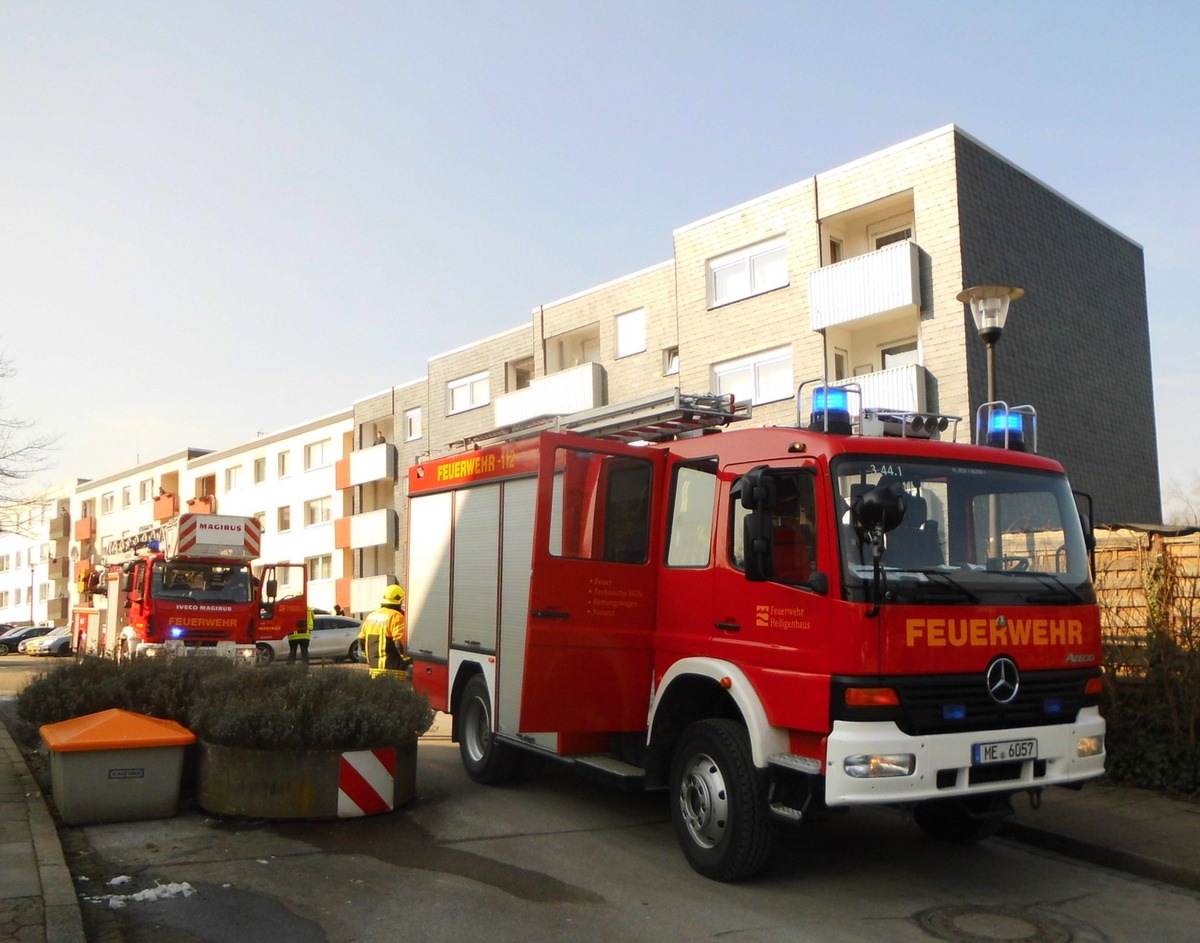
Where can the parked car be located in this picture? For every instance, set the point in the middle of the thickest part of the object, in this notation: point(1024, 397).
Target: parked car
point(58, 642)
point(12, 637)
point(333, 637)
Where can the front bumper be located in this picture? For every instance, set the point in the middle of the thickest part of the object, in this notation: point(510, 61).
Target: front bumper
point(943, 762)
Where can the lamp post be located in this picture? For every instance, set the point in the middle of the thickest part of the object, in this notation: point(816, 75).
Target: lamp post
point(989, 308)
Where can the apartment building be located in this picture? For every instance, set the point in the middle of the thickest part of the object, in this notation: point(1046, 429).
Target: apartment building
point(32, 575)
point(851, 274)
point(285, 479)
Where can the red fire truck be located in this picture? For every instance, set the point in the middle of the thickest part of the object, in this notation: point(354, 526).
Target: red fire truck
point(189, 589)
point(763, 621)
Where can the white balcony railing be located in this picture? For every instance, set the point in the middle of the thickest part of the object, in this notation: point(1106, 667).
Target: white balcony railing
point(901, 388)
point(882, 282)
point(558, 394)
point(377, 463)
point(366, 591)
point(373, 529)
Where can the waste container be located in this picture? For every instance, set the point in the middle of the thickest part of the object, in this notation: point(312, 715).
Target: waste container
point(115, 766)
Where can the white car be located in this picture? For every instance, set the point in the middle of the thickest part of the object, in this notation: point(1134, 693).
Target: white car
point(333, 637)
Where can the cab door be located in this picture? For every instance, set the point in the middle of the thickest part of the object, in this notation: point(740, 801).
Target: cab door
point(590, 639)
point(284, 602)
point(771, 616)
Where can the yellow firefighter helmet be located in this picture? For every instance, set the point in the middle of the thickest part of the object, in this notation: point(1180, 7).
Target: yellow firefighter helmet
point(393, 595)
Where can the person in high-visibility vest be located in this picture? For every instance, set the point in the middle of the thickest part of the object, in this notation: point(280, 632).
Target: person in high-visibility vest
point(298, 638)
point(383, 632)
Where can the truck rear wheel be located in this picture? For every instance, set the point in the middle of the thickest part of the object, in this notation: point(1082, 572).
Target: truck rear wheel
point(486, 759)
point(963, 821)
point(719, 801)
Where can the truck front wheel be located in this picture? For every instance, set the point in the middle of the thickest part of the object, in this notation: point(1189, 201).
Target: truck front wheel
point(486, 759)
point(719, 801)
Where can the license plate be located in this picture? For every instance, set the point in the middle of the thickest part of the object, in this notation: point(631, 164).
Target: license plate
point(1004, 751)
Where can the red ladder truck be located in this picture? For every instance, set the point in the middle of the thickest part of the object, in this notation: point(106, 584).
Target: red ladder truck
point(765, 622)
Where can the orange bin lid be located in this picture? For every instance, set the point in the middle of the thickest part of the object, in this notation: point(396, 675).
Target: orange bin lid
point(114, 729)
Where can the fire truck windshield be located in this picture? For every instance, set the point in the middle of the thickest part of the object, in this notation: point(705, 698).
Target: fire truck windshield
point(987, 532)
point(201, 582)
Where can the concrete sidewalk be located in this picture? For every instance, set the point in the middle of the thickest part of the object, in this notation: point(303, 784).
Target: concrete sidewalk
point(37, 894)
point(1125, 829)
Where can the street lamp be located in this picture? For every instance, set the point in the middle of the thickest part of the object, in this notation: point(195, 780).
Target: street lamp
point(989, 308)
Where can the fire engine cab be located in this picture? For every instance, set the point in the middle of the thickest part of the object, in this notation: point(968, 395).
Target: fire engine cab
point(763, 621)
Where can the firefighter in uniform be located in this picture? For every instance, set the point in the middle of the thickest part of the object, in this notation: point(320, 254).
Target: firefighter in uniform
point(298, 638)
point(382, 634)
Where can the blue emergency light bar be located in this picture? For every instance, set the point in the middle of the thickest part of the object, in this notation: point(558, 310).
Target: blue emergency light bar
point(830, 410)
point(1006, 430)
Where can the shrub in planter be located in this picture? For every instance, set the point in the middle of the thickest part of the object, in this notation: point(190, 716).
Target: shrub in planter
point(307, 744)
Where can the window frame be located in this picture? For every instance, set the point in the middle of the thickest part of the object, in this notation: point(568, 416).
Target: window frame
point(472, 383)
point(746, 257)
point(754, 362)
point(629, 333)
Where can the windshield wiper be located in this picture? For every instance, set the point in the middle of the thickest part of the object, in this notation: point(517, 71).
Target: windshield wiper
point(1057, 588)
point(950, 581)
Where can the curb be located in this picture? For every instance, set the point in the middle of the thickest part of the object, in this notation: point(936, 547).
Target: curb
point(63, 920)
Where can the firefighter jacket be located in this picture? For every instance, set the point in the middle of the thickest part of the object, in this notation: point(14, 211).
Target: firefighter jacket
point(302, 631)
point(382, 635)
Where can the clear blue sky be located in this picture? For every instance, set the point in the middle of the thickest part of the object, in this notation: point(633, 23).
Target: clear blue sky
point(224, 218)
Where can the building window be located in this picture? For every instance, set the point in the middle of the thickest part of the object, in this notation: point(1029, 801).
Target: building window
point(835, 251)
point(318, 511)
point(318, 454)
point(670, 361)
point(320, 568)
point(518, 374)
point(284, 464)
point(412, 424)
point(572, 349)
point(17, 596)
point(747, 272)
point(283, 517)
point(841, 361)
point(760, 378)
point(87, 508)
point(890, 231)
point(467, 393)
point(3, 563)
point(145, 490)
point(4, 599)
point(631, 332)
point(901, 354)
point(127, 496)
point(106, 503)
point(261, 517)
point(260, 470)
point(233, 478)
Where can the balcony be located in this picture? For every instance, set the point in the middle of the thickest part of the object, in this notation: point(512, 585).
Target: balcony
point(57, 610)
point(366, 592)
point(60, 527)
point(375, 463)
point(558, 394)
point(901, 388)
point(59, 568)
point(372, 529)
point(885, 282)
point(204, 504)
point(85, 528)
point(166, 506)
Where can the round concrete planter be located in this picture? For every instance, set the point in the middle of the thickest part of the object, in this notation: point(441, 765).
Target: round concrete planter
point(305, 784)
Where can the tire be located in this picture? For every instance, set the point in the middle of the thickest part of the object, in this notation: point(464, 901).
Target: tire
point(963, 821)
point(4, 649)
point(264, 654)
point(355, 655)
point(719, 801)
point(486, 759)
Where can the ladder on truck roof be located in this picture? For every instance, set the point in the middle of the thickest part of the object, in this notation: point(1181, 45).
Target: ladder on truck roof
point(653, 418)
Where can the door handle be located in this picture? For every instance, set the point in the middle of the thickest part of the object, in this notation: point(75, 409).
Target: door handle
point(729, 627)
point(549, 614)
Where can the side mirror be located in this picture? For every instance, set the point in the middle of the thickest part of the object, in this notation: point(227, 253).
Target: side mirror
point(1089, 533)
point(272, 589)
point(127, 581)
point(879, 510)
point(756, 536)
point(757, 489)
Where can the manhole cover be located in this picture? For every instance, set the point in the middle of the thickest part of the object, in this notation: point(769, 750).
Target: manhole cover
point(975, 924)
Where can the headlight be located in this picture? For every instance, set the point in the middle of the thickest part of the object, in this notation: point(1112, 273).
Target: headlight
point(879, 766)
point(1089, 746)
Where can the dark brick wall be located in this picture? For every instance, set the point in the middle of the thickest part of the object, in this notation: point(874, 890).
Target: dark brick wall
point(1077, 346)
